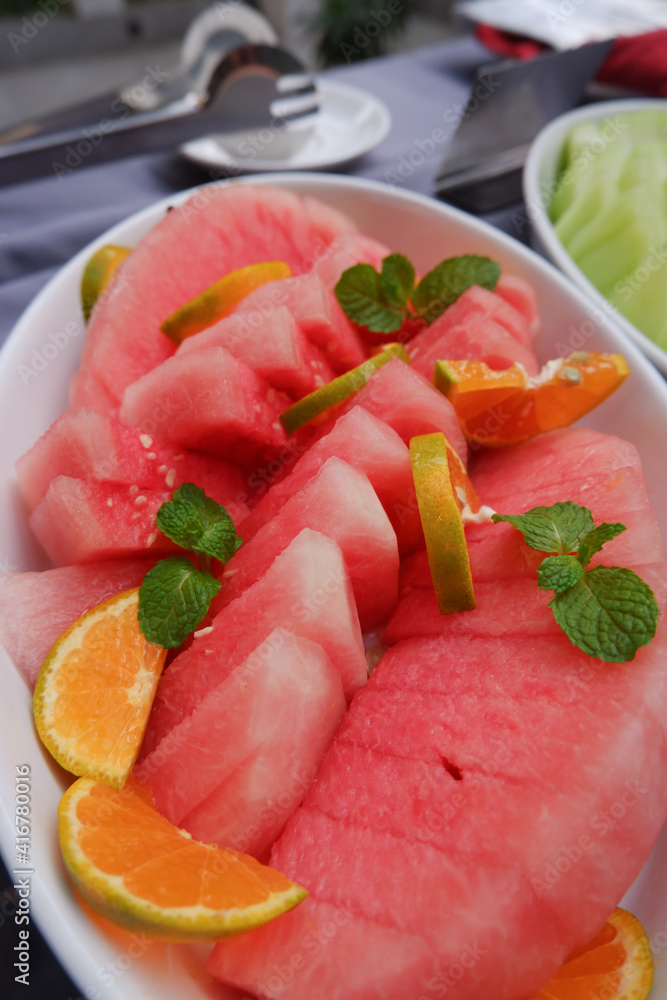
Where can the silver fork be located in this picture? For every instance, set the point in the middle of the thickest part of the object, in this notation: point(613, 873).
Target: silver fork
point(231, 86)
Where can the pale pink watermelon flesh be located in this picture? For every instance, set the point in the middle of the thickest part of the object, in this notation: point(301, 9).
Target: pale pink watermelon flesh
point(276, 712)
point(329, 222)
point(87, 390)
point(79, 521)
point(306, 591)
point(215, 404)
point(271, 344)
point(367, 444)
point(484, 340)
point(219, 229)
point(316, 312)
point(521, 296)
point(36, 608)
point(346, 251)
point(340, 502)
point(406, 401)
point(84, 444)
point(475, 307)
point(467, 769)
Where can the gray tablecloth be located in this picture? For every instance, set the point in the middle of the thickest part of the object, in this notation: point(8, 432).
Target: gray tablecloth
point(44, 222)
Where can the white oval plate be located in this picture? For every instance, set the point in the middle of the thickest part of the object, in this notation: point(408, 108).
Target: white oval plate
point(110, 964)
point(350, 122)
point(539, 181)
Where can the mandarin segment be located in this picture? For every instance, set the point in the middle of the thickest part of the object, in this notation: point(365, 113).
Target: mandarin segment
point(616, 964)
point(497, 408)
point(138, 870)
point(95, 690)
point(219, 299)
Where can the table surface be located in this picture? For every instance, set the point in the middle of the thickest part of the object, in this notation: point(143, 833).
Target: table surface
point(43, 223)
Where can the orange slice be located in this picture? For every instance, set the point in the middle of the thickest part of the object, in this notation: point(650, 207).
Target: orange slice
point(97, 274)
point(320, 402)
point(220, 298)
point(95, 691)
point(617, 965)
point(505, 407)
point(439, 509)
point(137, 869)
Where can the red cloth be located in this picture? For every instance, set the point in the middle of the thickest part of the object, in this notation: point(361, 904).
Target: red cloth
point(638, 62)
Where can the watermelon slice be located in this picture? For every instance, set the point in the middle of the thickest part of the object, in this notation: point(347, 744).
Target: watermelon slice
point(36, 608)
point(221, 228)
point(521, 296)
point(211, 402)
point(317, 314)
point(268, 722)
point(341, 503)
point(507, 774)
point(481, 339)
point(407, 401)
point(369, 445)
point(344, 252)
point(292, 364)
point(305, 591)
point(79, 521)
point(85, 444)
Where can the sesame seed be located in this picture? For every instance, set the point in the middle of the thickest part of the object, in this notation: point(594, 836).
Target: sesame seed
point(109, 501)
point(162, 471)
point(140, 501)
point(170, 478)
point(229, 572)
point(151, 455)
point(276, 425)
point(146, 440)
point(271, 396)
point(152, 538)
point(134, 490)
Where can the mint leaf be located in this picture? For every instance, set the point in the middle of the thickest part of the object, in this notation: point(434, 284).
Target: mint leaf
point(559, 528)
point(609, 614)
point(199, 524)
point(398, 280)
point(362, 298)
point(442, 286)
point(596, 538)
point(559, 572)
point(173, 599)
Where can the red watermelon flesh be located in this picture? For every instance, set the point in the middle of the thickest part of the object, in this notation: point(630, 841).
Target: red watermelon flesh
point(341, 503)
point(482, 340)
point(212, 402)
point(328, 221)
point(282, 704)
point(521, 296)
point(306, 591)
point(476, 306)
point(291, 363)
point(87, 390)
point(346, 251)
point(302, 955)
point(81, 521)
point(221, 228)
point(510, 784)
point(85, 444)
point(369, 445)
point(317, 314)
point(405, 400)
point(36, 608)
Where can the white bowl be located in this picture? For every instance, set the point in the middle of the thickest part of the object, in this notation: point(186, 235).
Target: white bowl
point(540, 177)
point(111, 965)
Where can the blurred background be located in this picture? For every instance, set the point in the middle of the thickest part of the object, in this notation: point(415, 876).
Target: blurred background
point(55, 52)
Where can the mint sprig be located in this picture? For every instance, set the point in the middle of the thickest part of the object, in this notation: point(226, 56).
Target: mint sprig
point(383, 301)
point(175, 596)
point(606, 611)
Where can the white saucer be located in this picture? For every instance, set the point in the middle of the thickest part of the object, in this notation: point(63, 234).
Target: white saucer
point(350, 122)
